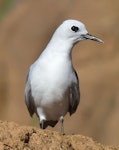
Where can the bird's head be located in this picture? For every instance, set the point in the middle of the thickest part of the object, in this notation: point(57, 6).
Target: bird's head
point(74, 31)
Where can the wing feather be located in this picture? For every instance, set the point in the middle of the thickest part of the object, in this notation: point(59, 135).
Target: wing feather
point(29, 99)
point(74, 95)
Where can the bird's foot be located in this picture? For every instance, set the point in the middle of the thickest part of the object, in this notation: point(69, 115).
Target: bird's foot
point(62, 125)
point(42, 124)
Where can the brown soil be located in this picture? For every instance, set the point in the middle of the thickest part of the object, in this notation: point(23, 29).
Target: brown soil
point(14, 136)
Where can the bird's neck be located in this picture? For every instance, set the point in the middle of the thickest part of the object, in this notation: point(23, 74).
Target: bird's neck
point(59, 46)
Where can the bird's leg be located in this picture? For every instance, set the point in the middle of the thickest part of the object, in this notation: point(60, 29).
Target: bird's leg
point(42, 124)
point(62, 124)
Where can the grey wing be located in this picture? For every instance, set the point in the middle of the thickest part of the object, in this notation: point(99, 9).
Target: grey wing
point(28, 98)
point(74, 95)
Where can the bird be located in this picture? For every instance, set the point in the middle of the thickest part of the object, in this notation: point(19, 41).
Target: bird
point(52, 84)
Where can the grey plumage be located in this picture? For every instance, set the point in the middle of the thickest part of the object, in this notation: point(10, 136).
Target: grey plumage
point(74, 95)
point(29, 99)
point(52, 87)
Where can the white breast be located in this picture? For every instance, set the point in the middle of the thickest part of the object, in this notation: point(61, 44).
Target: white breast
point(49, 81)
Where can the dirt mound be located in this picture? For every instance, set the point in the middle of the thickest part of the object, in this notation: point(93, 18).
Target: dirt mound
point(14, 136)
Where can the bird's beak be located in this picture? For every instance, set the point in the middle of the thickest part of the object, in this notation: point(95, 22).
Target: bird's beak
point(91, 37)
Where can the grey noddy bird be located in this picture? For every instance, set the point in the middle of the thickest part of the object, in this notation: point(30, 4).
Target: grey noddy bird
point(52, 87)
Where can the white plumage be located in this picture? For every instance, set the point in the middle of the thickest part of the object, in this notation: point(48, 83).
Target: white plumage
point(52, 87)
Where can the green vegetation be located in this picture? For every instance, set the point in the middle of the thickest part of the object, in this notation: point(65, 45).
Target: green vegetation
point(5, 7)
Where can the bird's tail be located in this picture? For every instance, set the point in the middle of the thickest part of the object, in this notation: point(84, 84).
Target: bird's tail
point(48, 123)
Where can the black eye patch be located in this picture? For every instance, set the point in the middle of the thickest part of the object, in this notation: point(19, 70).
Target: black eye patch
point(74, 28)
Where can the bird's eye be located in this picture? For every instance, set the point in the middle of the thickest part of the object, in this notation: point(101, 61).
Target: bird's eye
point(74, 28)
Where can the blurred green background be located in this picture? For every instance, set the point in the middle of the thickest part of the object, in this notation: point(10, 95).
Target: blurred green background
point(26, 27)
